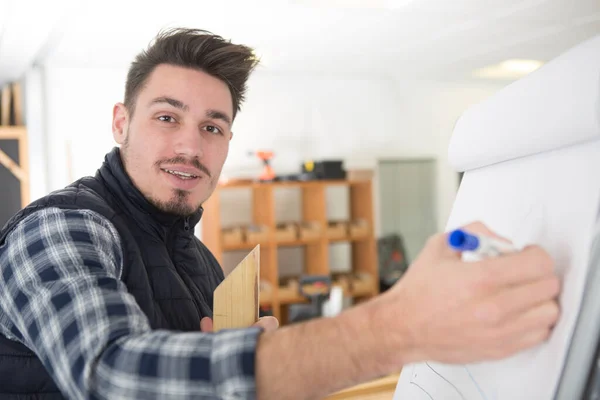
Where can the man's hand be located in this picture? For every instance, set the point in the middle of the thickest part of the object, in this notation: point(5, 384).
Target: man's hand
point(459, 312)
point(443, 309)
point(267, 323)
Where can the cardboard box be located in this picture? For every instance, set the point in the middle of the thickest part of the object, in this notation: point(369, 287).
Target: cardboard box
point(286, 232)
point(337, 229)
point(363, 285)
point(309, 230)
point(257, 234)
point(232, 236)
point(359, 228)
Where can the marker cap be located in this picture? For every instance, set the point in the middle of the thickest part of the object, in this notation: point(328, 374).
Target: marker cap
point(460, 240)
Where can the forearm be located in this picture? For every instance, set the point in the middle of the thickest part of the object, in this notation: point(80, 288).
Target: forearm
point(316, 358)
point(163, 364)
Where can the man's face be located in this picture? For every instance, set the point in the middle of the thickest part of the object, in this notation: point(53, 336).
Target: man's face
point(175, 144)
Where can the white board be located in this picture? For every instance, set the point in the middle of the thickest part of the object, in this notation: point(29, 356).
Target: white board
point(550, 199)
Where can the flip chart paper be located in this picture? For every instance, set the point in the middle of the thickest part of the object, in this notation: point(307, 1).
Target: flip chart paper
point(554, 107)
point(550, 199)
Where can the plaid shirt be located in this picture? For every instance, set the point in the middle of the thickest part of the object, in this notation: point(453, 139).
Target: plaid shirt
point(62, 297)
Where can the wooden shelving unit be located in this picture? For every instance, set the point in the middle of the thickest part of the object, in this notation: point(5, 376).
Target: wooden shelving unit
point(14, 155)
point(362, 283)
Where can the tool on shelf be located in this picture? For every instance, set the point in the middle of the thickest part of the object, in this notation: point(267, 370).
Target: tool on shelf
point(268, 174)
point(315, 288)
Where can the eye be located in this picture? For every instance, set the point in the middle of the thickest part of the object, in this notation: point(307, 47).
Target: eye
point(213, 129)
point(166, 118)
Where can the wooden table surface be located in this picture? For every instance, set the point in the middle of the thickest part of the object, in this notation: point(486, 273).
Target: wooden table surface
point(378, 389)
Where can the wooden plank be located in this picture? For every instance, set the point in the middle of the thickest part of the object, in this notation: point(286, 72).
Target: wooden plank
point(12, 132)
point(5, 106)
point(17, 103)
point(314, 210)
point(236, 299)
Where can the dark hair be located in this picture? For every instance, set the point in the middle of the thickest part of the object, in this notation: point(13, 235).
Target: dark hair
point(195, 49)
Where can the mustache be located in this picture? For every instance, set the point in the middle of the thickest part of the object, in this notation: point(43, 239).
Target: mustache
point(194, 162)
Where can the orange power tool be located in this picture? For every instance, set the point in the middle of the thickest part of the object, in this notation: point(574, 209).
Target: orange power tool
point(268, 174)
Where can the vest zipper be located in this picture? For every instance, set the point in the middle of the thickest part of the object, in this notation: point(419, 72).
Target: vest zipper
point(186, 223)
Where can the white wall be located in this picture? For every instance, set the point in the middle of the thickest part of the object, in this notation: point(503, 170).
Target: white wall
point(300, 117)
point(78, 120)
point(314, 117)
point(442, 104)
point(34, 119)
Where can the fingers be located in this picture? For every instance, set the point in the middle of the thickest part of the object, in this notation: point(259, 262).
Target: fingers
point(519, 299)
point(437, 246)
point(523, 342)
point(531, 339)
point(523, 332)
point(529, 329)
point(206, 324)
point(540, 318)
point(543, 316)
point(528, 265)
point(267, 323)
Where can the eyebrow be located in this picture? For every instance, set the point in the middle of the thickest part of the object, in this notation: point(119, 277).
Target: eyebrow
point(214, 114)
point(171, 101)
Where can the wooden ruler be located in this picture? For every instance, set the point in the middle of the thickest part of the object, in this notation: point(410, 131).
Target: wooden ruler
point(236, 300)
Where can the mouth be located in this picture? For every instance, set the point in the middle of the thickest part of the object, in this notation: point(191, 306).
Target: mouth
point(180, 174)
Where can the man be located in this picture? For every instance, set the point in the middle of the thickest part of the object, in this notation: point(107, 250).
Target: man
point(103, 286)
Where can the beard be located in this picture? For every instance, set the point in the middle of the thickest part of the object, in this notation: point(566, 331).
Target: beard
point(177, 204)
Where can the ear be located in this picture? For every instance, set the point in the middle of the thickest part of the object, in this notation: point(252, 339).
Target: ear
point(119, 123)
point(230, 135)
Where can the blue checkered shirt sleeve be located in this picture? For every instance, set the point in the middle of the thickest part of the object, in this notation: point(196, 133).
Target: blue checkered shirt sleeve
point(62, 297)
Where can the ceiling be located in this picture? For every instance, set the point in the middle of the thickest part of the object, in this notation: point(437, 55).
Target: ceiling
point(410, 39)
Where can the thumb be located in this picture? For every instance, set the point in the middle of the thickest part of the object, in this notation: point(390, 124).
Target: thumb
point(206, 324)
point(267, 323)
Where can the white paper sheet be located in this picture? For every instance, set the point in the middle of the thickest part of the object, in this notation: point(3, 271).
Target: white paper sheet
point(550, 199)
point(556, 106)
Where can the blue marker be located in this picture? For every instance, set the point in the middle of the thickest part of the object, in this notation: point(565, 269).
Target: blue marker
point(461, 240)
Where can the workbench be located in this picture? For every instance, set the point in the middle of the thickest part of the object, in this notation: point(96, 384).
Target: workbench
point(378, 389)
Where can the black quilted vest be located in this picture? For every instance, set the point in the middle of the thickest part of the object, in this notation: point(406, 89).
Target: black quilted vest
point(171, 274)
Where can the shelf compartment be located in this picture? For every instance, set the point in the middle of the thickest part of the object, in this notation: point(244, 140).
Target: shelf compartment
point(244, 237)
point(232, 237)
point(286, 232)
point(337, 230)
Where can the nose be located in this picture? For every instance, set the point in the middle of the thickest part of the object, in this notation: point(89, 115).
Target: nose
point(189, 142)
